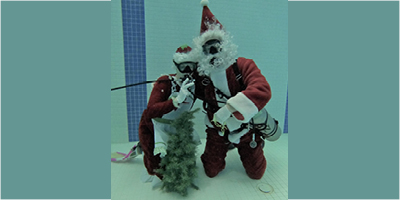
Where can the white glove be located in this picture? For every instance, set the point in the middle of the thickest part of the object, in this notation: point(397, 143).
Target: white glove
point(224, 113)
point(160, 150)
point(184, 92)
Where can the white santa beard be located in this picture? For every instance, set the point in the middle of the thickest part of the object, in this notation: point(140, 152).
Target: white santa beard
point(225, 58)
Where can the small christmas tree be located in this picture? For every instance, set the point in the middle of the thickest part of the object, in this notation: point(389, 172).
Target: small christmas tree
point(178, 167)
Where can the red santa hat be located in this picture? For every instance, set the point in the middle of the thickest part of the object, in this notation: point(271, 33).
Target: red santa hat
point(183, 54)
point(212, 29)
point(208, 19)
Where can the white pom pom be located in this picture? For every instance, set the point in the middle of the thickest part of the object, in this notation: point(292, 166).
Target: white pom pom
point(204, 2)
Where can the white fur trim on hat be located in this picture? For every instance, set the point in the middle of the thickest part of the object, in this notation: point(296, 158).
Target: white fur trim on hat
point(214, 32)
point(184, 57)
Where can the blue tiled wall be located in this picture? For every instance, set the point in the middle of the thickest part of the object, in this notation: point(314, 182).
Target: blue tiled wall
point(285, 129)
point(135, 62)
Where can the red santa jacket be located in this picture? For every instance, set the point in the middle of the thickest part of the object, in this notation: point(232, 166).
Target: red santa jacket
point(247, 102)
point(158, 105)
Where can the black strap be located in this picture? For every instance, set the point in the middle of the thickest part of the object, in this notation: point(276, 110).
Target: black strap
point(221, 94)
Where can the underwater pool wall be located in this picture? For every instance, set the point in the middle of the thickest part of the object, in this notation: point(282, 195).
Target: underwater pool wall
point(258, 28)
point(119, 122)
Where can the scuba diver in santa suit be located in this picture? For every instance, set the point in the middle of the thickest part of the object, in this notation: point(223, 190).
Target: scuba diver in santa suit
point(169, 98)
point(234, 94)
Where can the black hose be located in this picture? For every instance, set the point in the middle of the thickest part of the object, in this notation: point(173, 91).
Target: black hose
point(135, 84)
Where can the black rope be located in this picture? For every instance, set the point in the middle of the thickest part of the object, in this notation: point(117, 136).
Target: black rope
point(135, 84)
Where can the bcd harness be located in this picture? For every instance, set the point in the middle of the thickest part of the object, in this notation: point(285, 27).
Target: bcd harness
point(251, 123)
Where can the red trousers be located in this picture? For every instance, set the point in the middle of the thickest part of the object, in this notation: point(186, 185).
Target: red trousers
point(213, 158)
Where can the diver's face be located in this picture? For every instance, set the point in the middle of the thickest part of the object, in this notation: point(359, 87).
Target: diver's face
point(185, 69)
point(212, 47)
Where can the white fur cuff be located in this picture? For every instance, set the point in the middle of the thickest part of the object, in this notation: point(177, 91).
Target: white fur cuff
point(244, 106)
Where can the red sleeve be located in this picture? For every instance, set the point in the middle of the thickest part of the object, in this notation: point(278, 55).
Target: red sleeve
point(159, 104)
point(258, 89)
point(256, 95)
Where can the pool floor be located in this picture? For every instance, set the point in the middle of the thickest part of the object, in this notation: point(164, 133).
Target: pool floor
point(232, 183)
